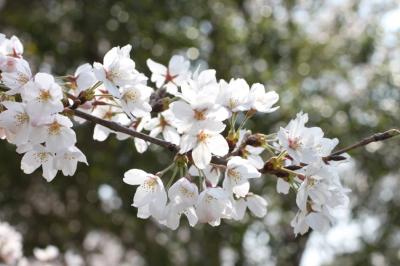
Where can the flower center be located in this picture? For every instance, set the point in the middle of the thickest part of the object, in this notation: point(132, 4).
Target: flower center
point(22, 79)
point(21, 118)
point(199, 115)
point(202, 136)
point(186, 192)
point(150, 184)
point(112, 75)
point(54, 128)
point(130, 96)
point(42, 156)
point(234, 175)
point(294, 143)
point(44, 96)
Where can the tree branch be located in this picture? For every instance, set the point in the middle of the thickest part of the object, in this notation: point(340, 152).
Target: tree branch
point(374, 138)
point(120, 128)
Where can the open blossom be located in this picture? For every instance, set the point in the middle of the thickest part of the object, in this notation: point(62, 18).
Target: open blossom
point(213, 204)
point(11, 47)
point(10, 244)
point(162, 124)
point(18, 78)
point(319, 193)
point(67, 160)
point(82, 80)
point(300, 141)
point(37, 157)
point(16, 122)
point(172, 76)
point(150, 197)
point(234, 95)
point(57, 134)
point(43, 97)
point(135, 99)
point(256, 204)
point(183, 196)
point(204, 142)
point(118, 69)
point(237, 173)
point(111, 113)
point(262, 101)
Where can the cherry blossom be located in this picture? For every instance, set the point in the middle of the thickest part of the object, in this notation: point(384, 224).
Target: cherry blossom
point(237, 173)
point(205, 141)
point(162, 124)
point(256, 204)
point(43, 97)
point(172, 76)
point(150, 197)
point(262, 101)
point(37, 157)
point(118, 69)
point(213, 205)
point(215, 157)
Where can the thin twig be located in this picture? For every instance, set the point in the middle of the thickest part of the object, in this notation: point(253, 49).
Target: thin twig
point(374, 138)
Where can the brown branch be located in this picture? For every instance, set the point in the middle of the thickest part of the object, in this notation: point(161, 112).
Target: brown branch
point(120, 128)
point(374, 138)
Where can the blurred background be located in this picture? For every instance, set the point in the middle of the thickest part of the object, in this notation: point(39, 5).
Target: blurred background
point(338, 60)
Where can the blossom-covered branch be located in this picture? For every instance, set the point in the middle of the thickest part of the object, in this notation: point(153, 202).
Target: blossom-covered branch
point(201, 119)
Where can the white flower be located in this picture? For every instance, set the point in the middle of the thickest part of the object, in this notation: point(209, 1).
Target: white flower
point(237, 173)
point(11, 47)
point(256, 204)
point(135, 100)
point(198, 102)
point(171, 77)
point(211, 172)
point(205, 141)
point(10, 244)
point(67, 160)
point(16, 122)
point(113, 114)
point(18, 78)
point(321, 186)
point(162, 125)
point(303, 221)
point(83, 79)
point(39, 156)
point(262, 101)
point(43, 98)
point(212, 205)
point(150, 197)
point(118, 69)
point(46, 254)
point(234, 95)
point(58, 134)
point(300, 141)
point(183, 195)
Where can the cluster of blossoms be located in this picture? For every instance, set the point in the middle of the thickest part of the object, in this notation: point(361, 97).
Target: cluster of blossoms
point(193, 114)
point(35, 123)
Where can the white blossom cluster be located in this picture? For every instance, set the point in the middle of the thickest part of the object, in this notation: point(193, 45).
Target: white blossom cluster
point(35, 123)
point(202, 118)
